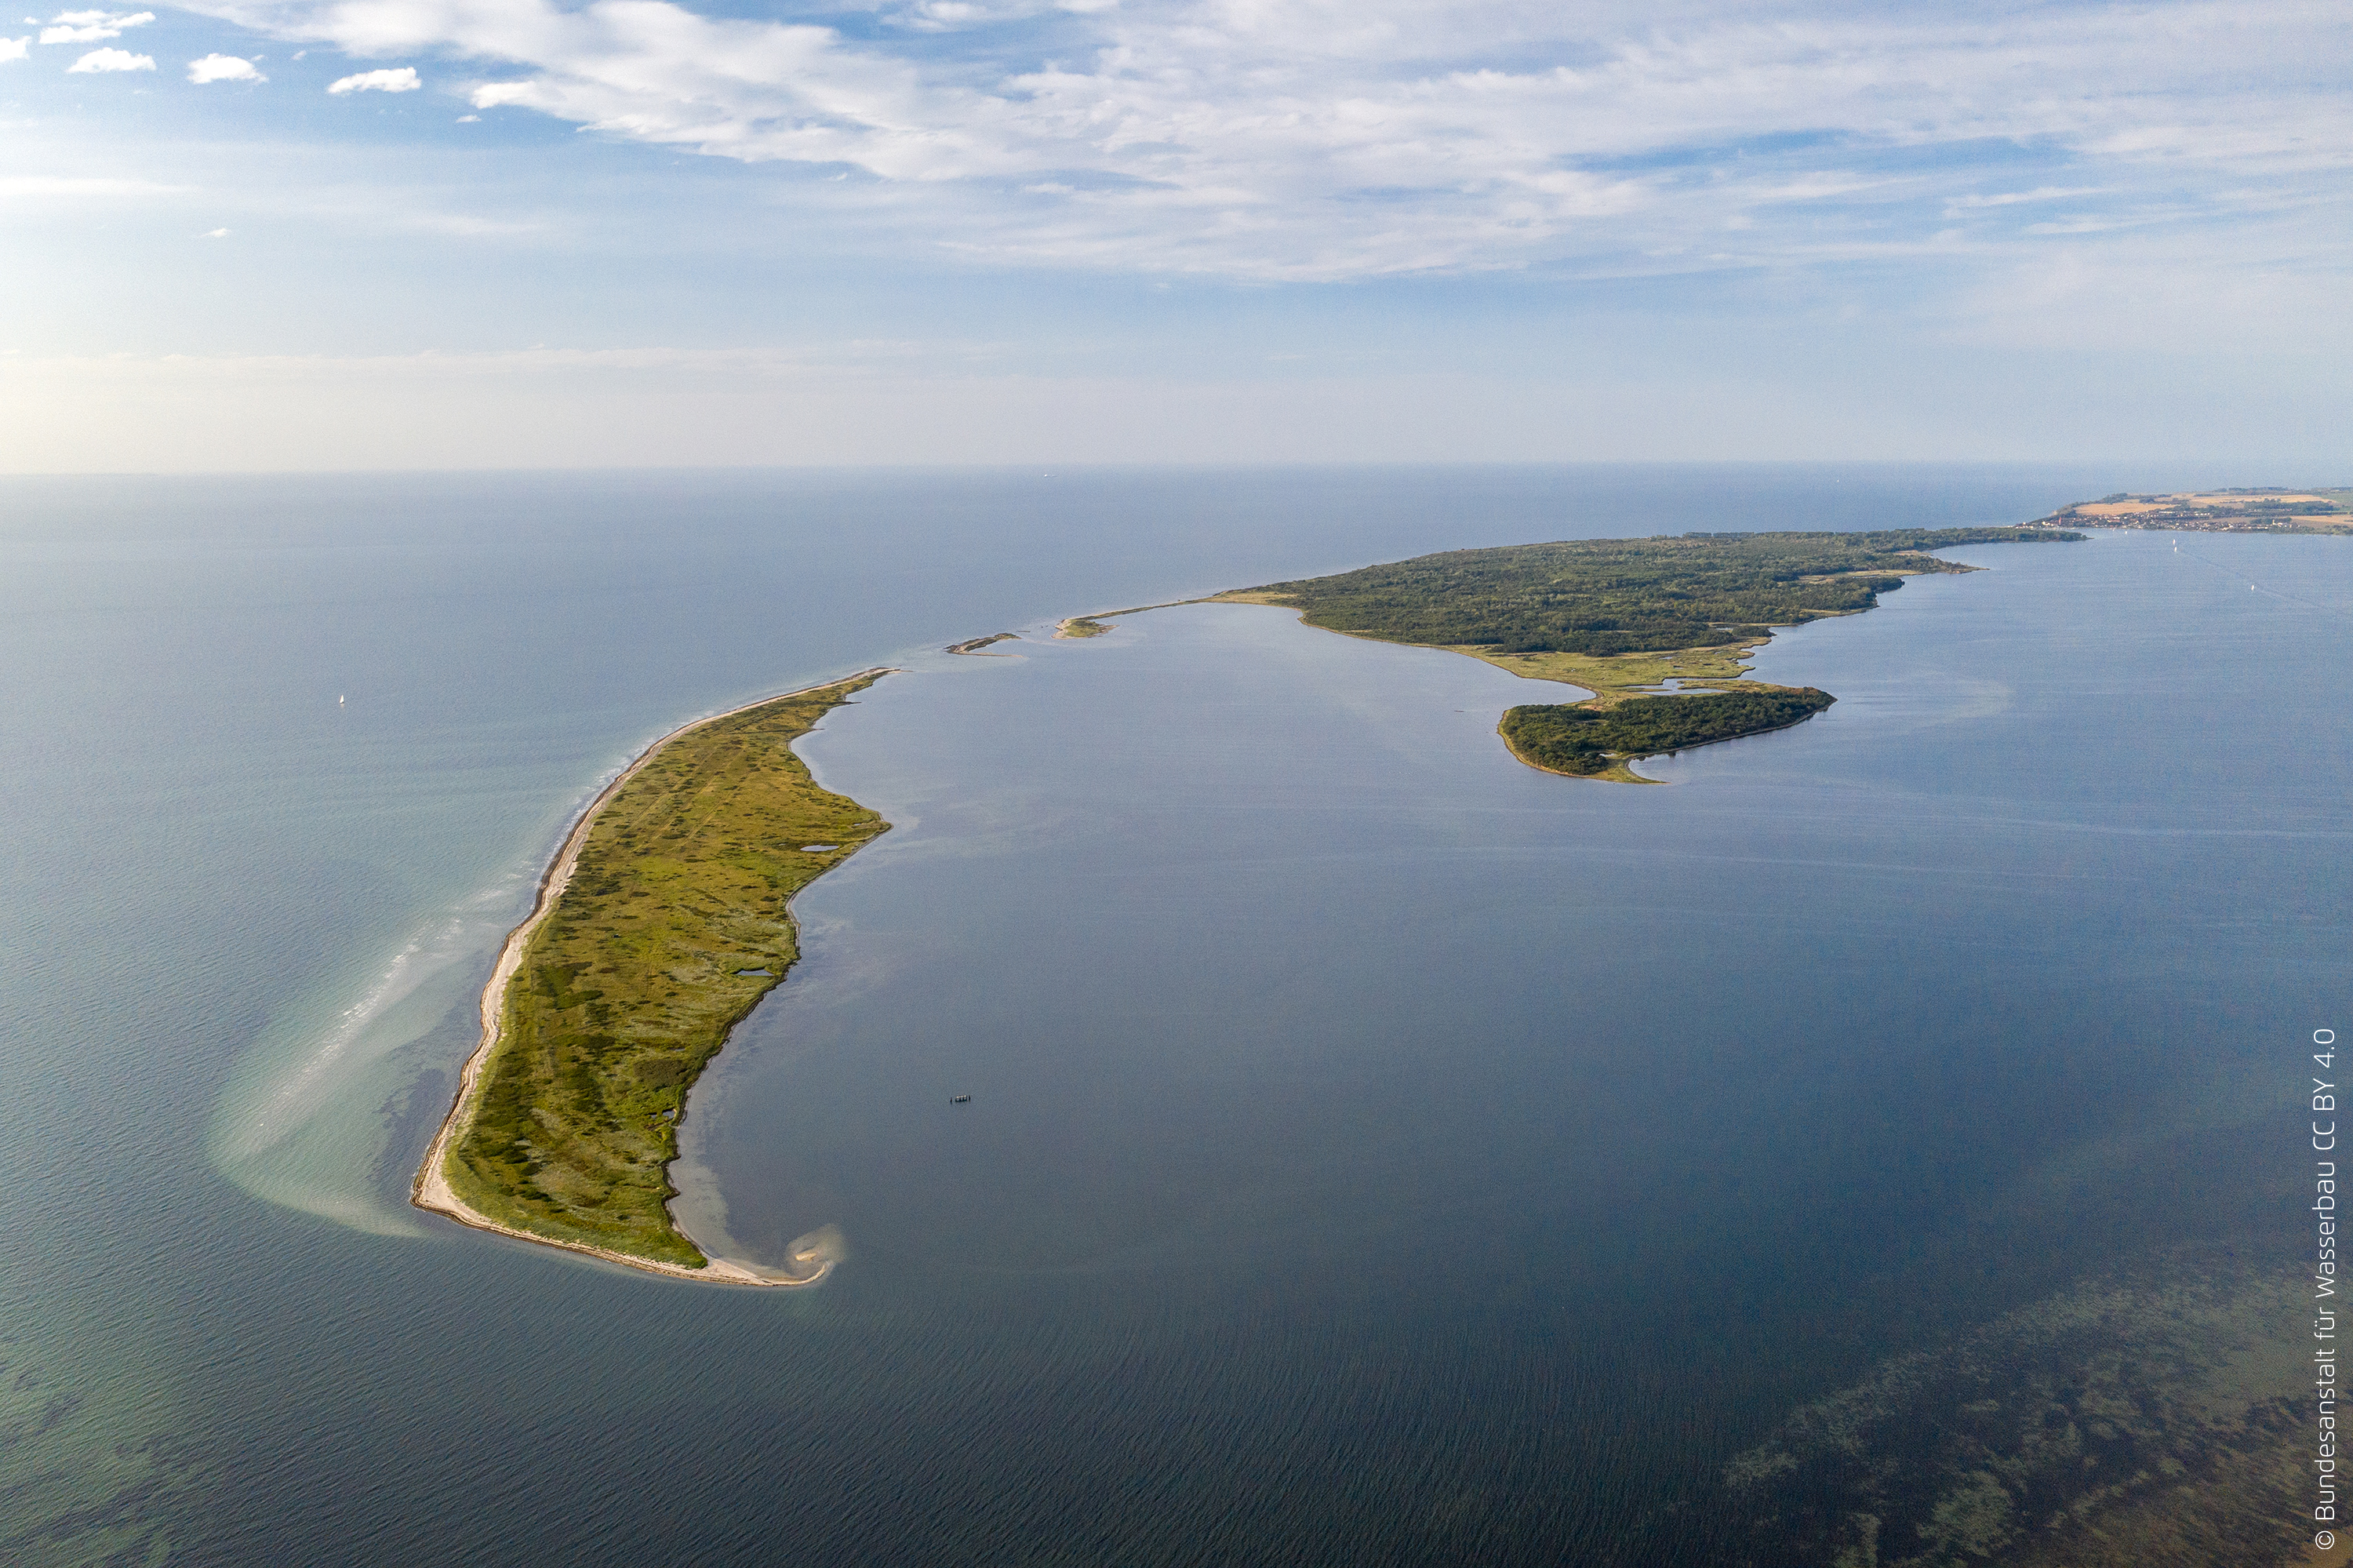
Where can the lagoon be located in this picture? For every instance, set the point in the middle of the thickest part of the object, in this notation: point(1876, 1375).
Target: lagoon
point(1377, 1149)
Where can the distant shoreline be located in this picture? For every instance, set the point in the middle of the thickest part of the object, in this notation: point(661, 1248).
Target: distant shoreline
point(431, 1189)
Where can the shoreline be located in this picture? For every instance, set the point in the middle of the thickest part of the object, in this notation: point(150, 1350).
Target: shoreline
point(431, 1190)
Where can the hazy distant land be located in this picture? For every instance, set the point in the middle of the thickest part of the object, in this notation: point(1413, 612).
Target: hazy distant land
point(2269, 510)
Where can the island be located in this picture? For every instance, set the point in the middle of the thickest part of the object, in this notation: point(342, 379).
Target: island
point(662, 921)
point(1583, 740)
point(1659, 630)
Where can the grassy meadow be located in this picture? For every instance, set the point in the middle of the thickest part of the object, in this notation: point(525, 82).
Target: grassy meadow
point(672, 927)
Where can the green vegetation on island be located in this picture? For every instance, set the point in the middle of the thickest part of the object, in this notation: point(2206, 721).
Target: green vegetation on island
point(1624, 596)
point(671, 928)
point(1628, 619)
point(1569, 738)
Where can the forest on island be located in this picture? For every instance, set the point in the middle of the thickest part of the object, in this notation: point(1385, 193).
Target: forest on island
point(1622, 596)
point(1570, 738)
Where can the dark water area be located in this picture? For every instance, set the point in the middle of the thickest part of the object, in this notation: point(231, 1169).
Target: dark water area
point(1377, 1150)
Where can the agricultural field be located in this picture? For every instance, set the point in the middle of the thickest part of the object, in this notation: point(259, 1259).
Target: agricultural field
point(2218, 512)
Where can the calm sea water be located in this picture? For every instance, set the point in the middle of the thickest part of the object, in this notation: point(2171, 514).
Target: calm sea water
point(1377, 1150)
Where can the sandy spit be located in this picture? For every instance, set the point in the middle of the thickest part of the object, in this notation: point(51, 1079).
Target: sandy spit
point(432, 1192)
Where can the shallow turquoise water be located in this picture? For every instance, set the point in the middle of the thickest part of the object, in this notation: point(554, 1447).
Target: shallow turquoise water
point(1377, 1150)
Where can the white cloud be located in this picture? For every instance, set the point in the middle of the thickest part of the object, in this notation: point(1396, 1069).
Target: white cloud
point(213, 234)
point(112, 60)
point(14, 48)
point(88, 27)
point(1975, 202)
point(1319, 139)
point(401, 80)
point(223, 67)
point(36, 186)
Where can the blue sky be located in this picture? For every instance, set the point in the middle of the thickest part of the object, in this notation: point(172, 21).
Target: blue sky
point(450, 233)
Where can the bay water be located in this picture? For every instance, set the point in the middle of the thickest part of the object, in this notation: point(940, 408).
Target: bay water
point(1377, 1149)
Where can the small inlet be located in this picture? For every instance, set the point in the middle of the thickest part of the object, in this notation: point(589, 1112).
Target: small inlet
point(751, 971)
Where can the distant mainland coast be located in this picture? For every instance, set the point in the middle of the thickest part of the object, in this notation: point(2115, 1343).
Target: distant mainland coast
point(662, 921)
point(2268, 510)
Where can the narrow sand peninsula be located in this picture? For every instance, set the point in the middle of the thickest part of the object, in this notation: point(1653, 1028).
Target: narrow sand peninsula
point(812, 1255)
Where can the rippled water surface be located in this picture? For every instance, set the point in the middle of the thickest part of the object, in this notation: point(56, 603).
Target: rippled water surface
point(1377, 1149)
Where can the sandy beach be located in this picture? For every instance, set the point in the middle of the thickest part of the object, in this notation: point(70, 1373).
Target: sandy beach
point(816, 1253)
